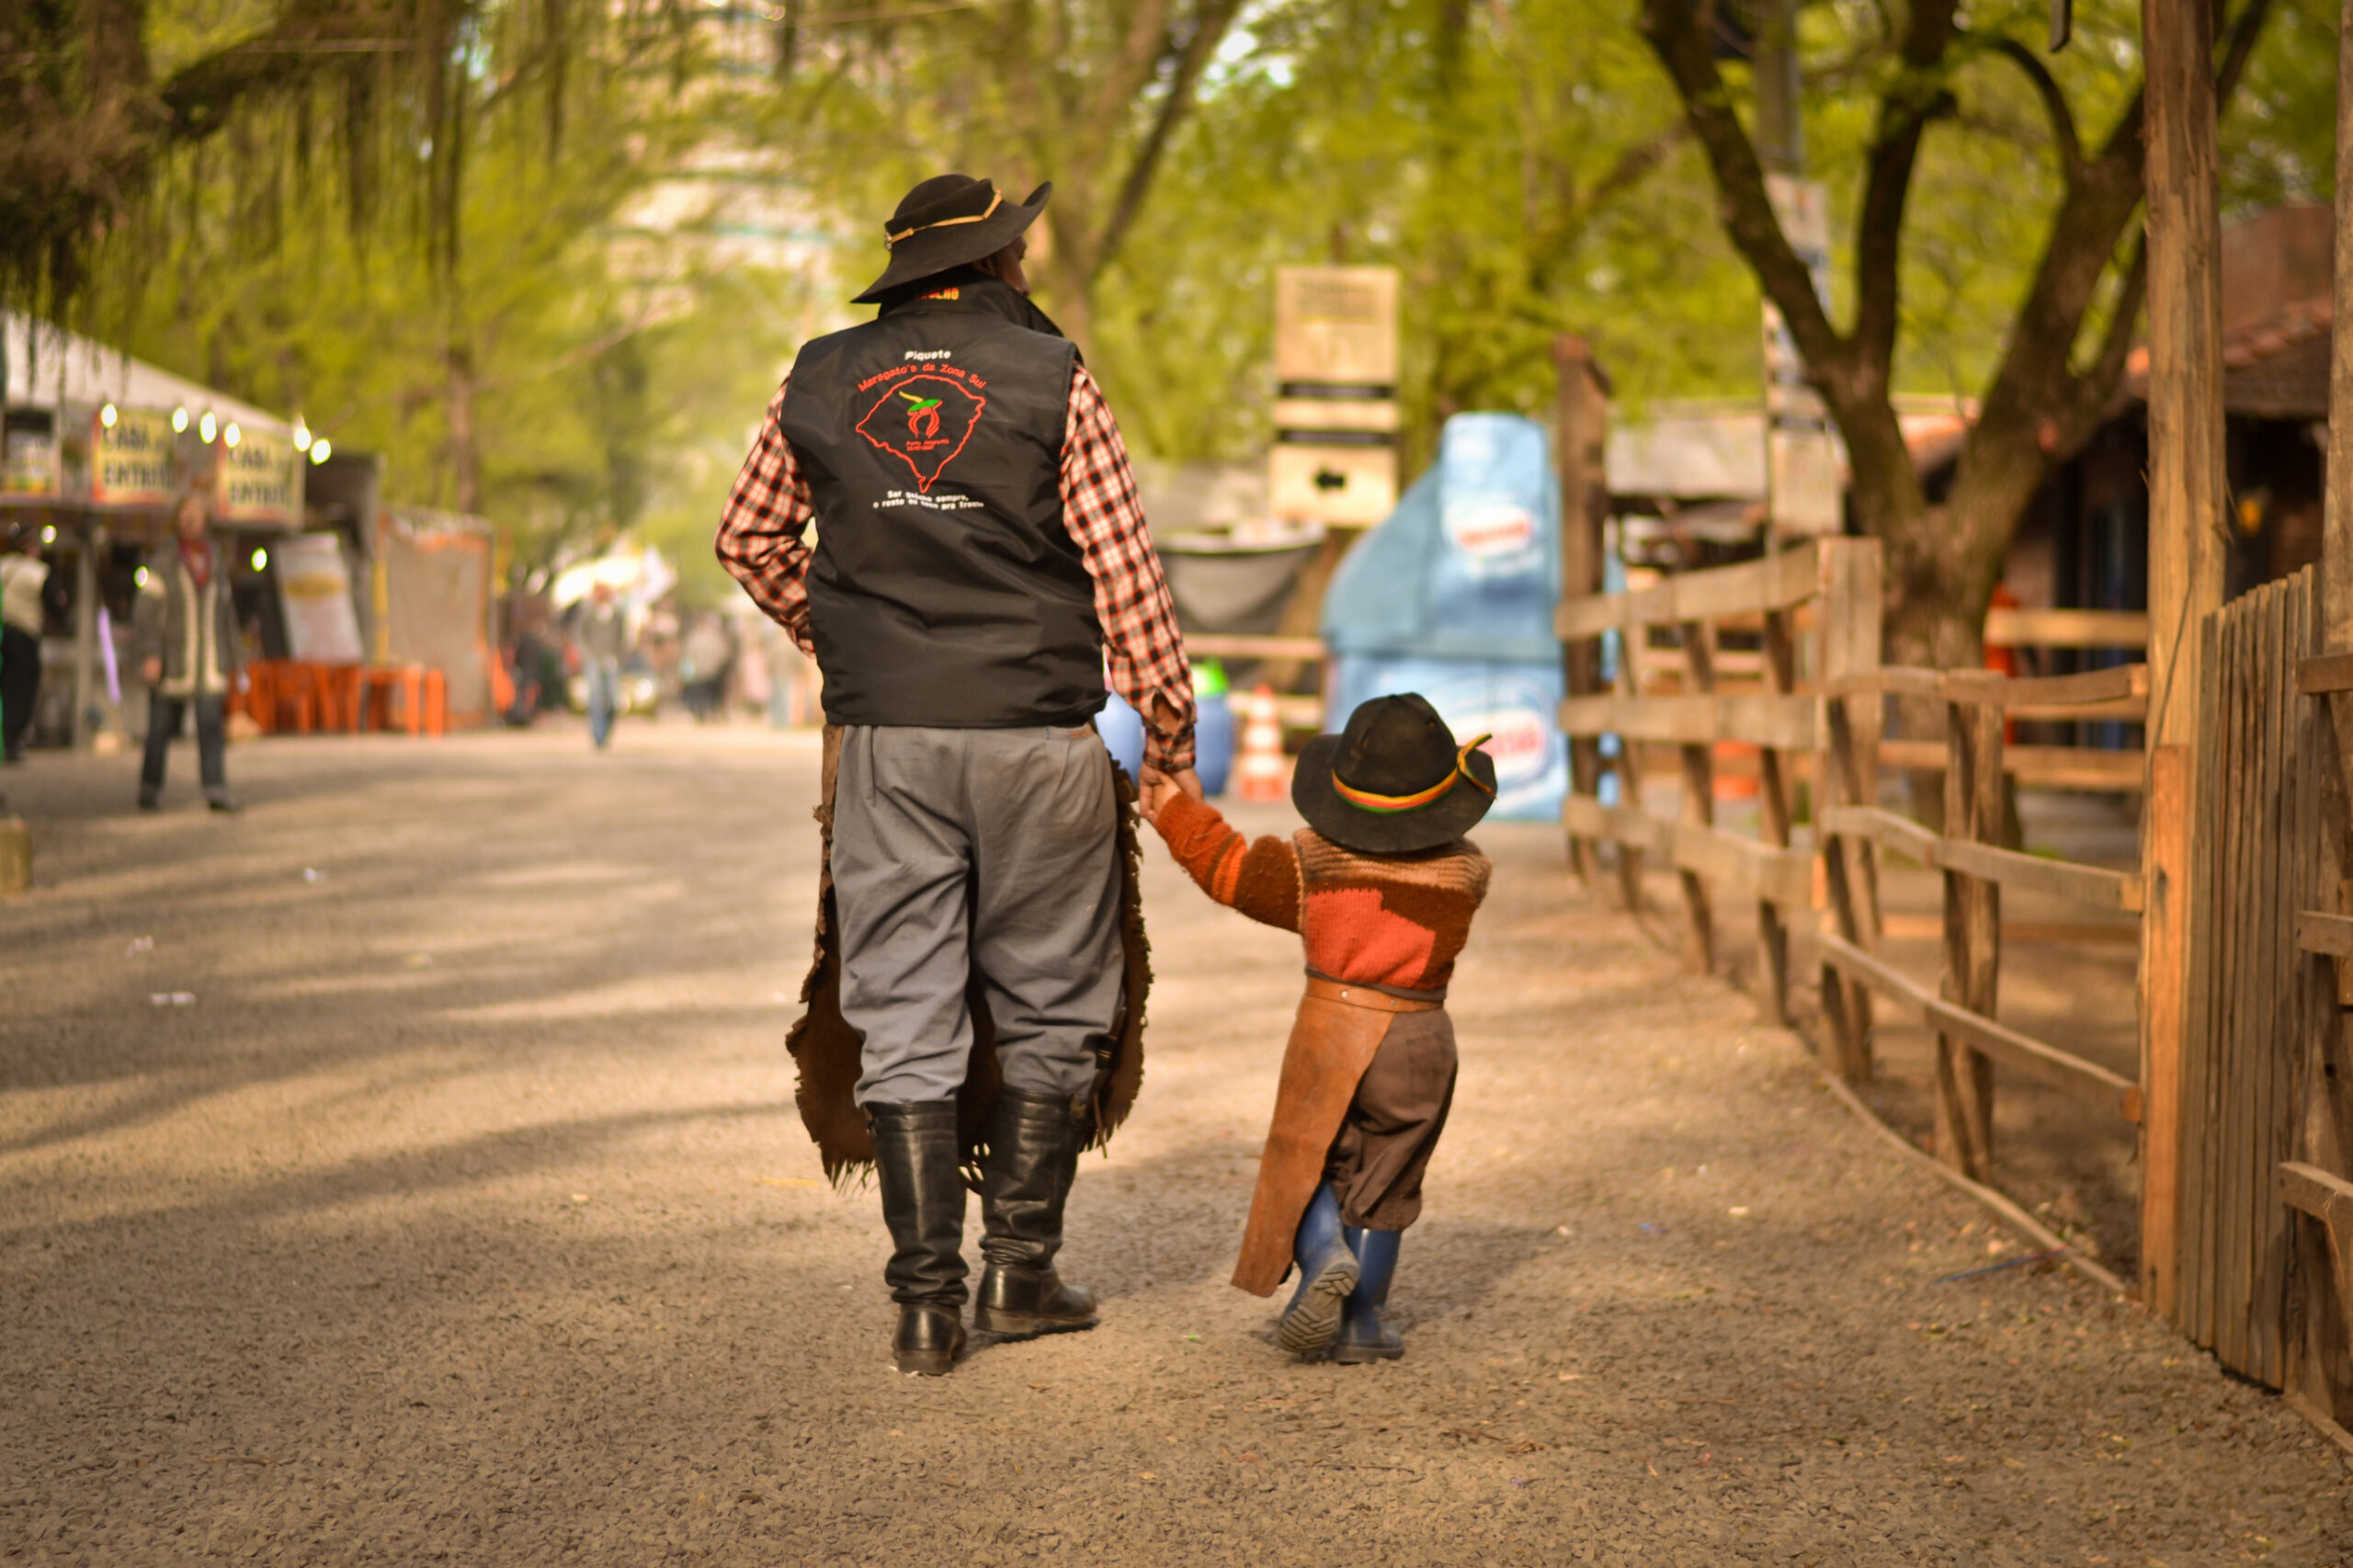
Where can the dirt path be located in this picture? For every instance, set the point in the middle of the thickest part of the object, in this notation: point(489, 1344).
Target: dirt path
point(462, 1217)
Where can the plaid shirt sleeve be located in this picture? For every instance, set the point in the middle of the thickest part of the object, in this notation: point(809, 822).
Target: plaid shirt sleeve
point(1132, 601)
point(759, 531)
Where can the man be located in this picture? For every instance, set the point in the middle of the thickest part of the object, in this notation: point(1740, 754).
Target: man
point(979, 551)
point(602, 638)
point(185, 635)
point(23, 574)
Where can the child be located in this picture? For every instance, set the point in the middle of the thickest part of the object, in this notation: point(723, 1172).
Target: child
point(1380, 886)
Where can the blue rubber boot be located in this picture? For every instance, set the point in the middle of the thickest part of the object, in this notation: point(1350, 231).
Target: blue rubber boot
point(1327, 1272)
point(1364, 1335)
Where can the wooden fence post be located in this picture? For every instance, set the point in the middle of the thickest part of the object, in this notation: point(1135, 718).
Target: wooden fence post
point(1972, 920)
point(1629, 766)
point(2164, 998)
point(1699, 804)
point(1846, 773)
point(2188, 510)
point(1773, 817)
point(1580, 427)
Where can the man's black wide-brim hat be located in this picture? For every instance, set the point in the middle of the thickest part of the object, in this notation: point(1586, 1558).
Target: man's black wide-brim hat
point(949, 221)
point(1393, 782)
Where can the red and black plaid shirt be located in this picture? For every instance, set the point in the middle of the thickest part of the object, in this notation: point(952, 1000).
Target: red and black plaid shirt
point(760, 542)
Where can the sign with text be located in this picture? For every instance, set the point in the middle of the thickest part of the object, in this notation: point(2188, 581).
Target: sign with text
point(28, 453)
point(257, 480)
point(1805, 461)
point(1335, 458)
point(1337, 323)
point(134, 463)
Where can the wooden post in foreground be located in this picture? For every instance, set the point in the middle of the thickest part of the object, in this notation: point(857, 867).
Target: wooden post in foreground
point(1972, 937)
point(2164, 1006)
point(1580, 429)
point(2186, 479)
point(1846, 772)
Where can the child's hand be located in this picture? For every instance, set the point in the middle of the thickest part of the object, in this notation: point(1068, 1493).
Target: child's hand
point(1153, 794)
point(1159, 788)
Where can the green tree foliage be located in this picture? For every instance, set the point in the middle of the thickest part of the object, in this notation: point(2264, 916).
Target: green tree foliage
point(467, 310)
point(411, 219)
point(1086, 92)
point(1523, 165)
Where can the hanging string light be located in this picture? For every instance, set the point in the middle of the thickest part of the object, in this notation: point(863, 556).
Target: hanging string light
point(207, 427)
point(321, 448)
point(232, 435)
point(302, 435)
point(107, 415)
point(180, 421)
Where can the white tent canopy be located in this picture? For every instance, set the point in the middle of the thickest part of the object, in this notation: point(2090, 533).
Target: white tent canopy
point(49, 367)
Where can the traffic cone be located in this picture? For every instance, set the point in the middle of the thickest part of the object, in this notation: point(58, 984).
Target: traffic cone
point(1258, 772)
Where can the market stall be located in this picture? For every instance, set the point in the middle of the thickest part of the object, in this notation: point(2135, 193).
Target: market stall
point(95, 448)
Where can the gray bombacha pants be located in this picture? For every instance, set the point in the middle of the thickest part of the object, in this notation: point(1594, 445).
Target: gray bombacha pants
point(987, 850)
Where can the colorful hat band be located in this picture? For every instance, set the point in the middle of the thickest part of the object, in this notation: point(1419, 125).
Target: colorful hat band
point(996, 200)
point(1366, 801)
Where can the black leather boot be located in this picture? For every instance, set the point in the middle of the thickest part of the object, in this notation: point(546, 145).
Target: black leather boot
point(923, 1202)
point(1034, 1140)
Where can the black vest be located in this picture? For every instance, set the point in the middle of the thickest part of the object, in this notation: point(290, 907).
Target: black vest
point(946, 591)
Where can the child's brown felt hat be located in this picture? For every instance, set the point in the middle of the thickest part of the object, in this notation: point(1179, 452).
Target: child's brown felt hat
point(1393, 782)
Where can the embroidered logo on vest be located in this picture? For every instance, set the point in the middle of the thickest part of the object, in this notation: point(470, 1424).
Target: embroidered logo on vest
point(924, 417)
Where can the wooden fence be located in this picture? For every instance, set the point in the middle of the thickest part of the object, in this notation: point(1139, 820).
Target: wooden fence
point(2246, 1107)
point(1835, 583)
point(2252, 987)
point(1825, 715)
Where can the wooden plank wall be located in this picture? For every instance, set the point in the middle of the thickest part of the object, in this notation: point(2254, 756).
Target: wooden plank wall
point(2251, 847)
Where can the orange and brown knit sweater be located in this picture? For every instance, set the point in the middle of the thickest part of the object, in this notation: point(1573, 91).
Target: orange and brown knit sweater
point(1397, 922)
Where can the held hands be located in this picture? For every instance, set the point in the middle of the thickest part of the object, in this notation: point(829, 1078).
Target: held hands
point(1159, 788)
point(152, 671)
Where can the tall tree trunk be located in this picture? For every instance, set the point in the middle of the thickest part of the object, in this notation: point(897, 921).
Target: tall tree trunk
point(465, 456)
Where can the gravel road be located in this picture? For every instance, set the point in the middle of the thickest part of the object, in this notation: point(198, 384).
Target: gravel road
point(458, 1214)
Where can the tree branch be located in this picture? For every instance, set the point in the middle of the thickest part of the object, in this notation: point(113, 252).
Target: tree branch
point(1124, 77)
point(2116, 343)
point(1916, 96)
point(1208, 31)
point(1674, 36)
point(1550, 240)
point(1878, 228)
point(2245, 31)
point(2054, 105)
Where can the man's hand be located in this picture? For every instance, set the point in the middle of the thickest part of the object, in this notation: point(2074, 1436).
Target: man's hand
point(152, 671)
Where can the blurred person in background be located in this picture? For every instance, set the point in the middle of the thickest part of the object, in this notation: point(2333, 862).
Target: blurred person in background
point(703, 659)
point(601, 635)
point(747, 681)
point(23, 574)
point(792, 679)
point(184, 636)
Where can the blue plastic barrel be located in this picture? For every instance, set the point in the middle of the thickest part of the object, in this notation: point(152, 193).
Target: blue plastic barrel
point(1213, 743)
point(1123, 732)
